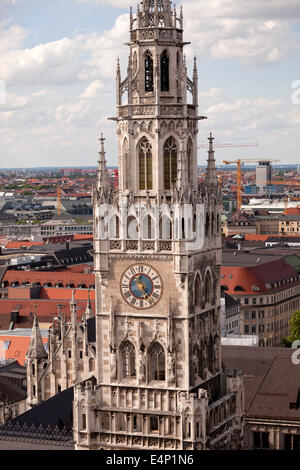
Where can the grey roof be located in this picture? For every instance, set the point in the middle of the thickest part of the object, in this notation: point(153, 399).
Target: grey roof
point(244, 258)
point(271, 380)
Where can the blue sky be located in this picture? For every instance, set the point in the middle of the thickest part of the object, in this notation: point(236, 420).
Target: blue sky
point(58, 65)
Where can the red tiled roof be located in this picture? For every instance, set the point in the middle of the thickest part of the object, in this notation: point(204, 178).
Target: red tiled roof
point(260, 275)
point(257, 238)
point(18, 347)
point(64, 276)
point(19, 244)
point(46, 311)
point(81, 236)
point(53, 293)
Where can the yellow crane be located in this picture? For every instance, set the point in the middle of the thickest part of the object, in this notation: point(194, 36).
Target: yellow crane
point(239, 163)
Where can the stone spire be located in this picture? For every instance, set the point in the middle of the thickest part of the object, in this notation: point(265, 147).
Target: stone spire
point(156, 13)
point(88, 310)
point(73, 310)
point(103, 178)
point(36, 349)
point(211, 173)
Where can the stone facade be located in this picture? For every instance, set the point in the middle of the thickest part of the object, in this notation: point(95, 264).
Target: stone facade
point(158, 382)
point(70, 357)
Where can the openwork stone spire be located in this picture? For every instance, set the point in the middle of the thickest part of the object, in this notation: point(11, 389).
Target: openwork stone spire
point(211, 174)
point(156, 13)
point(36, 349)
point(103, 178)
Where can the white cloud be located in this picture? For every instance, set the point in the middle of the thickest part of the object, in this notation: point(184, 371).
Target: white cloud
point(256, 32)
point(64, 61)
point(92, 91)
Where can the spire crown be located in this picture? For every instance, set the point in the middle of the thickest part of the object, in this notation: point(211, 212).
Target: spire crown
point(211, 175)
point(103, 179)
point(36, 349)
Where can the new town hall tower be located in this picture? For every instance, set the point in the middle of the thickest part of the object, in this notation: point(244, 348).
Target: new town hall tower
point(159, 381)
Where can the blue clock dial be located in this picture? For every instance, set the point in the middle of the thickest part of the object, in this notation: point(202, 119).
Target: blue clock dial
point(141, 286)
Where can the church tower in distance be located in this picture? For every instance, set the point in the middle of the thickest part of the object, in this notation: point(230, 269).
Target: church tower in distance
point(159, 382)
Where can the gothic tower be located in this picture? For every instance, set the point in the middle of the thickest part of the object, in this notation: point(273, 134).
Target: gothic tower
point(157, 257)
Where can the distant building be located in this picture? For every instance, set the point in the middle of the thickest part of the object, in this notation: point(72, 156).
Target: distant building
point(263, 176)
point(268, 288)
point(230, 310)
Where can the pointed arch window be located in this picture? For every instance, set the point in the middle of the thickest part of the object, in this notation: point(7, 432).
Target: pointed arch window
point(170, 162)
point(164, 70)
point(148, 72)
point(208, 289)
point(197, 290)
point(157, 362)
point(145, 164)
point(128, 360)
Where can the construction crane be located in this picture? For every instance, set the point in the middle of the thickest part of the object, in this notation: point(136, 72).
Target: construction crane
point(203, 145)
point(239, 163)
point(227, 145)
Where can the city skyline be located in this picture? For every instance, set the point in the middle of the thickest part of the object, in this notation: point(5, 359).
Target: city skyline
point(59, 76)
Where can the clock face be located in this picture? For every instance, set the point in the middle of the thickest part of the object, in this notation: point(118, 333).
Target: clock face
point(141, 286)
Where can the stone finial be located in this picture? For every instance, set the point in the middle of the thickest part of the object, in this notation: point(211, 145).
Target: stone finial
point(36, 349)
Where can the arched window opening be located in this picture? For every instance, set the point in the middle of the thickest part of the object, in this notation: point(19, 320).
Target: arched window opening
point(197, 288)
point(153, 424)
point(157, 362)
point(128, 360)
point(183, 228)
point(170, 162)
point(178, 59)
point(145, 164)
point(132, 228)
point(148, 228)
point(165, 228)
point(207, 225)
point(114, 227)
point(208, 289)
point(148, 72)
point(164, 67)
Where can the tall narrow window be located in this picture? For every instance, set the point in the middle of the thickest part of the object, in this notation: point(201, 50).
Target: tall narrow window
point(128, 360)
point(164, 68)
point(157, 362)
point(145, 164)
point(197, 298)
point(208, 289)
point(189, 158)
point(170, 162)
point(148, 72)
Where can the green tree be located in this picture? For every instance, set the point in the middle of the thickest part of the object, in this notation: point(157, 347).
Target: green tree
point(294, 329)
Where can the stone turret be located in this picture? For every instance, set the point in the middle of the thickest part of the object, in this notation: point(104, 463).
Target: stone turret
point(36, 359)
